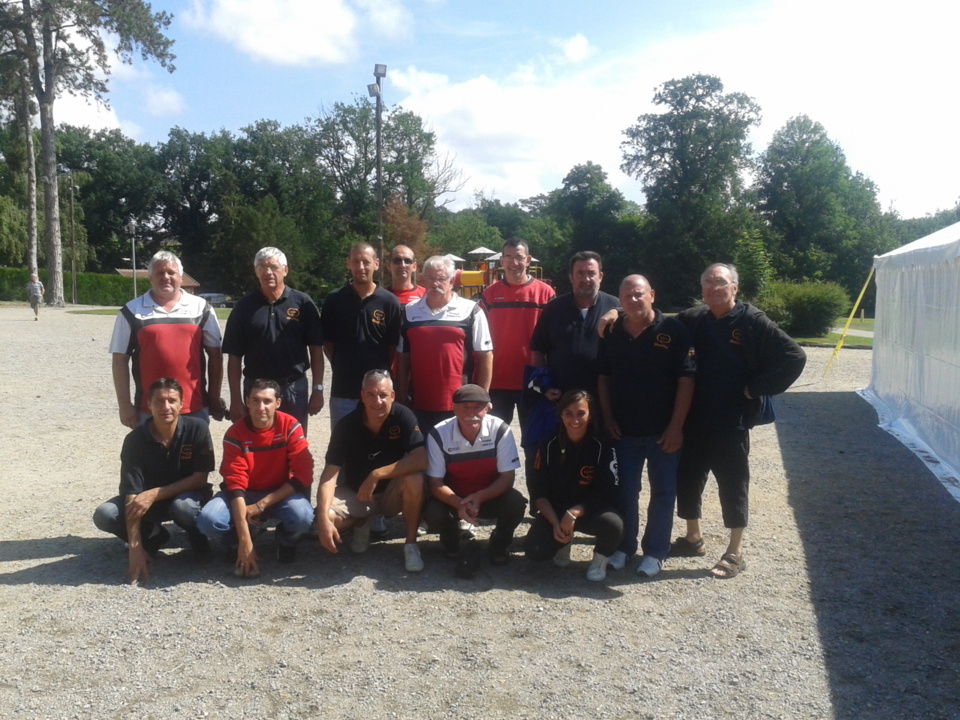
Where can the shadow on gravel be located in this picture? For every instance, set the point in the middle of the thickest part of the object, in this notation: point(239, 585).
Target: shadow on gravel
point(880, 536)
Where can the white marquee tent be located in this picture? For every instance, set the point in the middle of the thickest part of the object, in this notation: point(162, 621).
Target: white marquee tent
point(915, 386)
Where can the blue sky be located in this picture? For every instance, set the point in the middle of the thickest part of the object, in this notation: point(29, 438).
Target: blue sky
point(519, 92)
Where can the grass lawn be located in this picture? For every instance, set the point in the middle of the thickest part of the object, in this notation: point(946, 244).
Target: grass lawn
point(222, 313)
point(831, 340)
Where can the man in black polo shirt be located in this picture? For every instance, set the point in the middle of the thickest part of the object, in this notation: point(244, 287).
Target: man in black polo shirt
point(275, 334)
point(163, 476)
point(374, 464)
point(565, 338)
point(361, 330)
point(646, 386)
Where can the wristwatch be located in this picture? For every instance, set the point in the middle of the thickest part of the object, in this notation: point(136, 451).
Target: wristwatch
point(318, 388)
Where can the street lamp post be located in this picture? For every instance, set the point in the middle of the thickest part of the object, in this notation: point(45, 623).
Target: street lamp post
point(376, 90)
point(73, 247)
point(132, 232)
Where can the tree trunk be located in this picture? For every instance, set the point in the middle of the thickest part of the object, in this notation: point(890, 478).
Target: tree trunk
point(51, 202)
point(26, 121)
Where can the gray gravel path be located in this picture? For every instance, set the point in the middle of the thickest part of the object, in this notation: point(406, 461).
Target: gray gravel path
point(850, 607)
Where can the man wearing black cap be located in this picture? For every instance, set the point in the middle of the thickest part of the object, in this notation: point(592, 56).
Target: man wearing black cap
point(471, 465)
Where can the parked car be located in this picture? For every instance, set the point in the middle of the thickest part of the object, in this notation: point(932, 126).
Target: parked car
point(217, 300)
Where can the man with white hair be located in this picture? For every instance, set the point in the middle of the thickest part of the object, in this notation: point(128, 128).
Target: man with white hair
point(274, 333)
point(165, 333)
point(444, 343)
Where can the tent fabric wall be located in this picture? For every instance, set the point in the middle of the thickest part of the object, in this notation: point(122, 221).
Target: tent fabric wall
point(915, 386)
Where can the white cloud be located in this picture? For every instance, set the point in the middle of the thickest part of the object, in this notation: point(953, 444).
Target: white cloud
point(575, 50)
point(81, 112)
point(163, 102)
point(299, 32)
point(879, 81)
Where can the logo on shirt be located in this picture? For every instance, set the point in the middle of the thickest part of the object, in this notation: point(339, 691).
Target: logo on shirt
point(736, 337)
point(378, 318)
point(293, 314)
point(663, 341)
point(587, 473)
point(394, 433)
point(186, 452)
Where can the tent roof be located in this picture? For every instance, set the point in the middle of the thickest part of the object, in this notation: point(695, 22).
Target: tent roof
point(941, 246)
point(480, 251)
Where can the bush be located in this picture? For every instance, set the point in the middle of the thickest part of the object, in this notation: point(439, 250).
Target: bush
point(92, 288)
point(806, 309)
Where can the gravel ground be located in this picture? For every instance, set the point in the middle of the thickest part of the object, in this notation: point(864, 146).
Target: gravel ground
point(850, 606)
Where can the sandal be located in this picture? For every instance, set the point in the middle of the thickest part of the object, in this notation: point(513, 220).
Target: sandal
point(730, 565)
point(681, 547)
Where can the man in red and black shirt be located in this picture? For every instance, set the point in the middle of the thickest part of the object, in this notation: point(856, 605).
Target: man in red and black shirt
point(513, 307)
point(267, 471)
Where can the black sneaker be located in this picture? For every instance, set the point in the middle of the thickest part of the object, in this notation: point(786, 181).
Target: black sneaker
point(286, 554)
point(200, 545)
point(469, 561)
point(156, 541)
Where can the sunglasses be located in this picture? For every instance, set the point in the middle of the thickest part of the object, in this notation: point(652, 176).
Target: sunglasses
point(404, 260)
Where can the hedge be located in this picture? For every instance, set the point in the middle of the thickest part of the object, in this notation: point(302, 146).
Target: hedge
point(92, 288)
point(806, 309)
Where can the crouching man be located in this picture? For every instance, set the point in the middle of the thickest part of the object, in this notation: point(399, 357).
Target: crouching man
point(374, 465)
point(267, 470)
point(164, 466)
point(471, 465)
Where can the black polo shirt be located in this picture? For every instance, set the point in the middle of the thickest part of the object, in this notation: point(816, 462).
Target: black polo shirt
point(363, 330)
point(569, 340)
point(272, 338)
point(643, 373)
point(146, 464)
point(357, 451)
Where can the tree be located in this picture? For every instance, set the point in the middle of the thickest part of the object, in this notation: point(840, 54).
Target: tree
point(63, 43)
point(825, 220)
point(691, 159)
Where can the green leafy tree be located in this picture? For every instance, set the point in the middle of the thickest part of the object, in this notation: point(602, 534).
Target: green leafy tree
point(690, 159)
point(64, 44)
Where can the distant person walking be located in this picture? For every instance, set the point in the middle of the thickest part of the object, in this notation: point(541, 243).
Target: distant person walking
point(35, 292)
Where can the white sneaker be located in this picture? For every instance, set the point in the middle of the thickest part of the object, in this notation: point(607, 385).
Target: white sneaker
point(361, 538)
point(618, 560)
point(598, 567)
point(411, 557)
point(562, 557)
point(422, 530)
point(468, 529)
point(649, 566)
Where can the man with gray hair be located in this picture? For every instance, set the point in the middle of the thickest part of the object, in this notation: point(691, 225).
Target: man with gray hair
point(444, 343)
point(165, 333)
point(274, 333)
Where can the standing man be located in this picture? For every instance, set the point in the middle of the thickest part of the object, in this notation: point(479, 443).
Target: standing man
point(445, 342)
point(274, 333)
point(374, 464)
point(35, 292)
point(164, 466)
point(471, 466)
point(361, 330)
point(403, 267)
point(741, 355)
point(267, 470)
point(513, 307)
point(165, 333)
point(565, 338)
point(646, 386)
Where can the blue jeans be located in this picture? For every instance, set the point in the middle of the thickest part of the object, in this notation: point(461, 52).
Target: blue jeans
point(662, 469)
point(340, 408)
point(294, 399)
point(183, 510)
point(294, 513)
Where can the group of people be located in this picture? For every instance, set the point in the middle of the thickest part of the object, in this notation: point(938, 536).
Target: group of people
point(425, 387)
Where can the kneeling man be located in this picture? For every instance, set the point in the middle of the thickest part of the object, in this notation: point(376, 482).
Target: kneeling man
point(267, 470)
point(164, 466)
point(471, 465)
point(373, 466)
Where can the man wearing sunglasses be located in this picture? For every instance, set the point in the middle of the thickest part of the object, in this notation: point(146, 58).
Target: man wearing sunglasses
point(403, 269)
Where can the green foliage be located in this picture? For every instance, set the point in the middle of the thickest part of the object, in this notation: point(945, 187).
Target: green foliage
point(92, 288)
point(462, 232)
point(13, 232)
point(807, 309)
point(753, 265)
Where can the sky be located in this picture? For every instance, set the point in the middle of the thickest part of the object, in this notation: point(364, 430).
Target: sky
point(518, 92)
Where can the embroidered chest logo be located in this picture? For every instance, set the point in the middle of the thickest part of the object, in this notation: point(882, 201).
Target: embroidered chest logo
point(394, 433)
point(186, 452)
point(587, 473)
point(293, 314)
point(378, 318)
point(736, 337)
point(663, 341)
